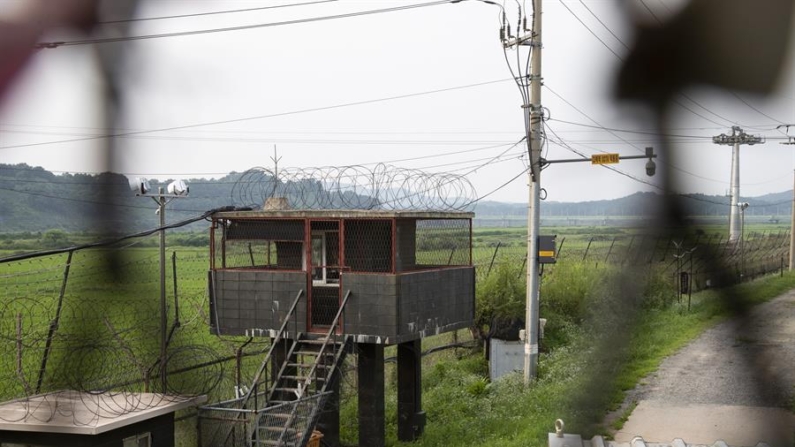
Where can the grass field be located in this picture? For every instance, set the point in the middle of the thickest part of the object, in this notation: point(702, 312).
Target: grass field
point(102, 333)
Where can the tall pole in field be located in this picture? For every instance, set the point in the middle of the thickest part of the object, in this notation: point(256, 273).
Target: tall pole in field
point(534, 212)
point(176, 189)
point(161, 210)
point(737, 138)
point(792, 233)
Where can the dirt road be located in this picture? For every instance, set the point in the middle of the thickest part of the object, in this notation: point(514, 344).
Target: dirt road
point(735, 383)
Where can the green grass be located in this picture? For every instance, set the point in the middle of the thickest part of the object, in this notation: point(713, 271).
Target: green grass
point(465, 409)
point(577, 381)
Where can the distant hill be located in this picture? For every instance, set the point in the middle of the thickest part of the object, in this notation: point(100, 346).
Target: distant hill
point(639, 204)
point(34, 199)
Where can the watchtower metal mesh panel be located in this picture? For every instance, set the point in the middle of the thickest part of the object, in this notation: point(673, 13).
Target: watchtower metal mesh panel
point(442, 242)
point(260, 244)
point(368, 245)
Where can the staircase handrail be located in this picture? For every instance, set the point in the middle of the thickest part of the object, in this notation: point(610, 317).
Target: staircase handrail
point(276, 340)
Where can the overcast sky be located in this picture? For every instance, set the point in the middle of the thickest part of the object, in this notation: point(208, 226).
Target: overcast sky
point(271, 80)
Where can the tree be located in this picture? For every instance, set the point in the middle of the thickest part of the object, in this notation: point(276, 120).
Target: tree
point(55, 238)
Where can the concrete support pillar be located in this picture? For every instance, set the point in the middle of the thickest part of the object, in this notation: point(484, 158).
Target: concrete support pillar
point(329, 422)
point(371, 395)
point(411, 418)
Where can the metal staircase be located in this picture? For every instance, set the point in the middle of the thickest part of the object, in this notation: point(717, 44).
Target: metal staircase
point(301, 387)
point(281, 412)
point(300, 390)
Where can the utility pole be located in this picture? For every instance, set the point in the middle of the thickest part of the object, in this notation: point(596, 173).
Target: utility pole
point(176, 189)
point(161, 210)
point(792, 232)
point(533, 121)
point(737, 138)
point(534, 204)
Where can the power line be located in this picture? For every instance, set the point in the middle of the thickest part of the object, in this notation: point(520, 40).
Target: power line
point(640, 132)
point(258, 117)
point(605, 26)
point(199, 14)
point(565, 145)
point(592, 31)
point(182, 223)
point(50, 45)
point(755, 109)
point(675, 101)
point(650, 11)
point(468, 142)
point(91, 202)
point(513, 179)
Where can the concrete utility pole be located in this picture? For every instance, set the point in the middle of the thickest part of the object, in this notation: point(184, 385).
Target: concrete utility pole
point(737, 138)
point(792, 232)
point(161, 210)
point(533, 207)
point(533, 119)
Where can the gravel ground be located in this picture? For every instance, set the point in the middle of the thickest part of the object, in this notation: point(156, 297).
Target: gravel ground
point(744, 366)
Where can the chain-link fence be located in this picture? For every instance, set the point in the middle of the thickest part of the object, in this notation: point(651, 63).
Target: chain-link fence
point(754, 255)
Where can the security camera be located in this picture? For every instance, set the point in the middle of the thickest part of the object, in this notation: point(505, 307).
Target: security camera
point(651, 168)
point(139, 185)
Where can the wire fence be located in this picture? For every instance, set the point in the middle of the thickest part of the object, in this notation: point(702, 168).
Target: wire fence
point(756, 254)
point(89, 321)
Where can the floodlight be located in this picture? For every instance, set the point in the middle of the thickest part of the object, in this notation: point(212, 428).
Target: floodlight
point(178, 188)
point(139, 185)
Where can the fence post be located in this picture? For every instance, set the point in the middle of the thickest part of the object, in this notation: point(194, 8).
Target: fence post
point(629, 250)
point(585, 255)
point(560, 248)
point(54, 323)
point(610, 250)
point(493, 257)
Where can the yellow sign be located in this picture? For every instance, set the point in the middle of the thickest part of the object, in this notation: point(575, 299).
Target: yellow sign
point(604, 159)
point(546, 254)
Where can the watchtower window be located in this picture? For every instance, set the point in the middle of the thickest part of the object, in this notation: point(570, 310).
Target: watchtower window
point(324, 253)
point(263, 244)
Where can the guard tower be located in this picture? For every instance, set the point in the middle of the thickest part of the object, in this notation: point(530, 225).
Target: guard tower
point(320, 283)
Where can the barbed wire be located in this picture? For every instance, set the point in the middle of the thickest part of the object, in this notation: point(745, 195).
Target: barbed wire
point(73, 335)
point(383, 187)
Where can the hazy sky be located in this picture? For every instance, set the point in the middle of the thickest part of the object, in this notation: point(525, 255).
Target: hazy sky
point(270, 79)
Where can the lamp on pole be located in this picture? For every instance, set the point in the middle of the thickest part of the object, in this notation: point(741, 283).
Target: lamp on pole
point(176, 189)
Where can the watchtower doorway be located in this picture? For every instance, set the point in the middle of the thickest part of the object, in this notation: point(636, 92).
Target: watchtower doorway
point(325, 258)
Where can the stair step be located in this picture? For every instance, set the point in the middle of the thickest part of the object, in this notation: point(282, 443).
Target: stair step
point(286, 390)
point(319, 341)
point(303, 378)
point(284, 416)
point(269, 442)
point(314, 353)
point(306, 365)
point(279, 429)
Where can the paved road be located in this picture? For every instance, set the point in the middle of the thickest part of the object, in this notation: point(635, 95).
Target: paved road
point(735, 383)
